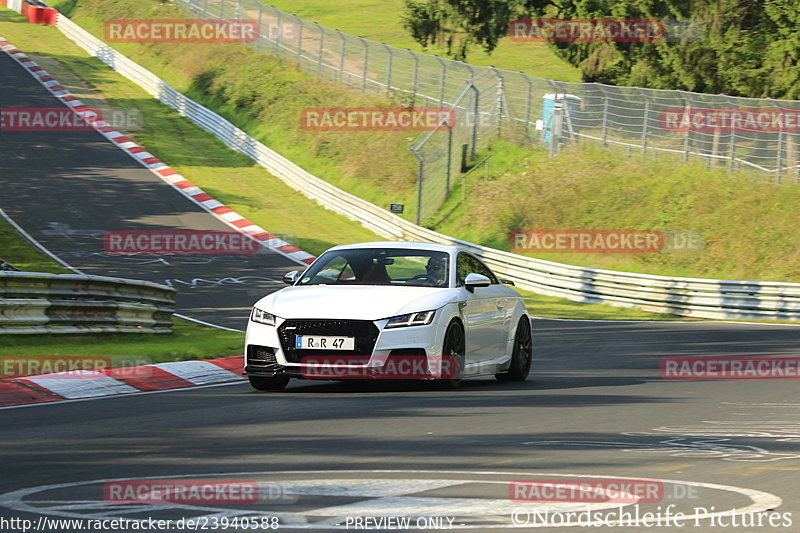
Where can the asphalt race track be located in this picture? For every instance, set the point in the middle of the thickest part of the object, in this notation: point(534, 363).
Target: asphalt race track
point(595, 406)
point(67, 189)
point(329, 456)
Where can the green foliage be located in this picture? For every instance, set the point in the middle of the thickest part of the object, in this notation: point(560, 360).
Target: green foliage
point(744, 47)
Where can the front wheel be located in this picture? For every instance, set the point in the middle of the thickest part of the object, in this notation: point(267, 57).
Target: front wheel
point(270, 384)
point(522, 354)
point(453, 353)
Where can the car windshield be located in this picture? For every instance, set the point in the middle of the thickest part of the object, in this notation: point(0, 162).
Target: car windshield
point(380, 266)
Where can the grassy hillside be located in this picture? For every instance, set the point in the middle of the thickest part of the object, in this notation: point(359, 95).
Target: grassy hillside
point(748, 228)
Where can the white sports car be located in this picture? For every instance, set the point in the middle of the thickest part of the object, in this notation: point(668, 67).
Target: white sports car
point(389, 310)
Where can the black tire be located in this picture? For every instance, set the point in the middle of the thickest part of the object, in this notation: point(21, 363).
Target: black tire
point(521, 355)
point(270, 384)
point(454, 349)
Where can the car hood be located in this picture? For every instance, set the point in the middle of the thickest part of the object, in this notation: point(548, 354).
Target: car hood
point(353, 302)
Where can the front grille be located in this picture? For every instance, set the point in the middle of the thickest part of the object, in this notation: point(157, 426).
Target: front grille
point(364, 331)
point(260, 356)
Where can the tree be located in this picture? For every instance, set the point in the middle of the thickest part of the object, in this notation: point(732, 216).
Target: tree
point(746, 47)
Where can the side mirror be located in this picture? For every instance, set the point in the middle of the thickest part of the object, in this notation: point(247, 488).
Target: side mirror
point(507, 282)
point(290, 278)
point(476, 280)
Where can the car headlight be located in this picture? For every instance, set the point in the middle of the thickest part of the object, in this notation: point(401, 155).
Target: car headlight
point(262, 317)
point(412, 319)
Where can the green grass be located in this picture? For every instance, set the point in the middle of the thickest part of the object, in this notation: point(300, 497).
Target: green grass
point(187, 341)
point(17, 251)
point(228, 176)
point(380, 20)
point(748, 227)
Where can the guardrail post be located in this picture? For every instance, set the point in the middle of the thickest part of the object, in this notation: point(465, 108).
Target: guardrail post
point(321, 47)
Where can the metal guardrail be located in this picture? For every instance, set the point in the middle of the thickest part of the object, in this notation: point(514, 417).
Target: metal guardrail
point(694, 297)
point(33, 302)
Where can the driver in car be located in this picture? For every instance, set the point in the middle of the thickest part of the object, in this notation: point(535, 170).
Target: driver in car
point(437, 271)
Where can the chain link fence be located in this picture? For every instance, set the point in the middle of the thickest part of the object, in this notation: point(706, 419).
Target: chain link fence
point(725, 131)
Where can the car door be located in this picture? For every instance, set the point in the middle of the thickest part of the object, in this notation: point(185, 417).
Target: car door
point(484, 312)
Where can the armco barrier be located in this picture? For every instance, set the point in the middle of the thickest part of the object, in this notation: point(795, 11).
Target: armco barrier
point(701, 298)
point(33, 302)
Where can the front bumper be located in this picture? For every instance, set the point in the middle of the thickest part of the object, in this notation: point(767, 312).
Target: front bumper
point(397, 353)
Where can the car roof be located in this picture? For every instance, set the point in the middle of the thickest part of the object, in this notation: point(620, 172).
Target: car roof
point(410, 245)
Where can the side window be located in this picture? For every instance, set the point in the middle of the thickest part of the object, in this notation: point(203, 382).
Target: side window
point(467, 264)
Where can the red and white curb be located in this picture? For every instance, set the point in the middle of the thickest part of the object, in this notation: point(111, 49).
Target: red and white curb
point(85, 384)
point(158, 167)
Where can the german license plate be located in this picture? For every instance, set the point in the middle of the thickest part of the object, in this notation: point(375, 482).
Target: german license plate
point(321, 342)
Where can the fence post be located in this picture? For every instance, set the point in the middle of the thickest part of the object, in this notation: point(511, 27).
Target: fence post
point(343, 54)
point(442, 80)
point(499, 99)
point(449, 159)
point(260, 16)
point(475, 120)
point(280, 33)
point(238, 14)
point(299, 37)
point(779, 157)
point(366, 63)
point(528, 106)
point(415, 78)
point(605, 115)
point(221, 9)
point(555, 130)
point(420, 176)
point(205, 9)
point(644, 123)
point(687, 110)
point(389, 67)
point(321, 46)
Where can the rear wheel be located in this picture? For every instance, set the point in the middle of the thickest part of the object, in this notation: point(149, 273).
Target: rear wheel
point(271, 384)
point(453, 353)
point(521, 355)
